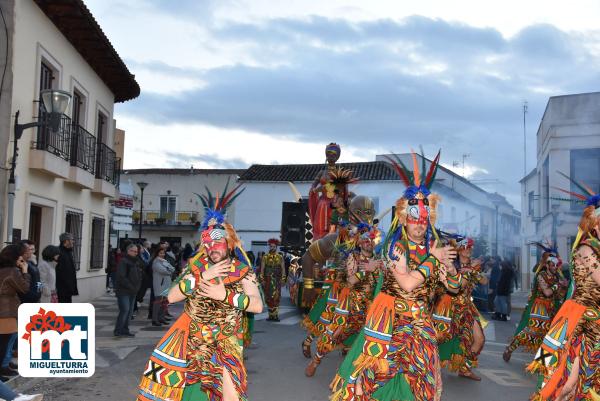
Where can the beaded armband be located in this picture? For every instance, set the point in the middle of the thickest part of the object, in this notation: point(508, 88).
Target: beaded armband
point(186, 286)
point(454, 281)
point(309, 283)
point(237, 300)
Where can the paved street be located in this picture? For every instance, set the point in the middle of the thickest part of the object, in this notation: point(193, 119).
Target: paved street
point(275, 364)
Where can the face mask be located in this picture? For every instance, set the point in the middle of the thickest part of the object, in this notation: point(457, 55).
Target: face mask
point(418, 211)
point(216, 246)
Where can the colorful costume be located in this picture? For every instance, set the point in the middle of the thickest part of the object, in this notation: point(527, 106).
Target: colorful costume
point(575, 331)
point(347, 304)
point(273, 277)
point(541, 308)
point(361, 209)
point(396, 356)
point(454, 317)
point(322, 311)
point(188, 362)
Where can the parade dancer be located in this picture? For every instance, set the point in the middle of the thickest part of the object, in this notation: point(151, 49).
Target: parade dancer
point(327, 251)
point(396, 356)
point(569, 357)
point(546, 297)
point(272, 275)
point(200, 356)
point(457, 320)
point(353, 297)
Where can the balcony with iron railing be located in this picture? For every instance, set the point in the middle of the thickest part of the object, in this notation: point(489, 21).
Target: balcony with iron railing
point(51, 150)
point(157, 218)
point(83, 157)
point(73, 153)
point(107, 164)
point(107, 170)
point(83, 149)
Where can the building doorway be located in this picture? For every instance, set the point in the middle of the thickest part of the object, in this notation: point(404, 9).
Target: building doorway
point(35, 227)
point(41, 226)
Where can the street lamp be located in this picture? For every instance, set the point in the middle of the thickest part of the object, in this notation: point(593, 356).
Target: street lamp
point(496, 250)
point(55, 103)
point(555, 211)
point(142, 186)
point(497, 202)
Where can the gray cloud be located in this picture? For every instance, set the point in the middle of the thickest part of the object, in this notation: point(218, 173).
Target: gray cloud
point(385, 84)
point(182, 160)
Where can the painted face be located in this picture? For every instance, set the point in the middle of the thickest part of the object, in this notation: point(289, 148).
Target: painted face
point(416, 231)
point(366, 244)
point(418, 211)
point(362, 209)
point(332, 153)
point(216, 249)
point(272, 247)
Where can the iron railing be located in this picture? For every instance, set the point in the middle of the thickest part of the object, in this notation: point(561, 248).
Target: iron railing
point(76, 145)
point(83, 149)
point(59, 142)
point(107, 164)
point(161, 217)
point(116, 178)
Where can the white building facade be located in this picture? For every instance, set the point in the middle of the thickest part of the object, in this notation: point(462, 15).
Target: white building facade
point(64, 179)
point(568, 140)
point(465, 208)
point(172, 211)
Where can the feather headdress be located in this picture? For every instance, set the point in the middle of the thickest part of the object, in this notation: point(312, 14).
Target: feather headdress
point(215, 206)
point(340, 178)
point(418, 184)
point(549, 250)
point(457, 241)
point(591, 214)
point(215, 227)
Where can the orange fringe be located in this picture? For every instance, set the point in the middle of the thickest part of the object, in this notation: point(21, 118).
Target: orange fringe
point(457, 362)
point(311, 327)
point(336, 383)
point(365, 361)
point(159, 390)
point(537, 367)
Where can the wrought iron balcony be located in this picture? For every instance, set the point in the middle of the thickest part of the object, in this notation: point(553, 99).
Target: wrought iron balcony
point(80, 148)
point(57, 143)
point(83, 149)
point(156, 217)
point(107, 164)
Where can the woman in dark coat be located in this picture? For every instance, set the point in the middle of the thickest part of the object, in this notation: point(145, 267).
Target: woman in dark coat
point(14, 281)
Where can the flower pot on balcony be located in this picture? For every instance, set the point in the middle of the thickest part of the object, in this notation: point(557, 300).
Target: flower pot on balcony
point(160, 221)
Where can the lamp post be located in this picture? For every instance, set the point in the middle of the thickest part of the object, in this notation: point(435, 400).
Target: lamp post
point(496, 247)
point(55, 103)
point(555, 211)
point(142, 186)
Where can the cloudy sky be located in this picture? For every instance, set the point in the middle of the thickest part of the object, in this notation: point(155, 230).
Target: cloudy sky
point(228, 83)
